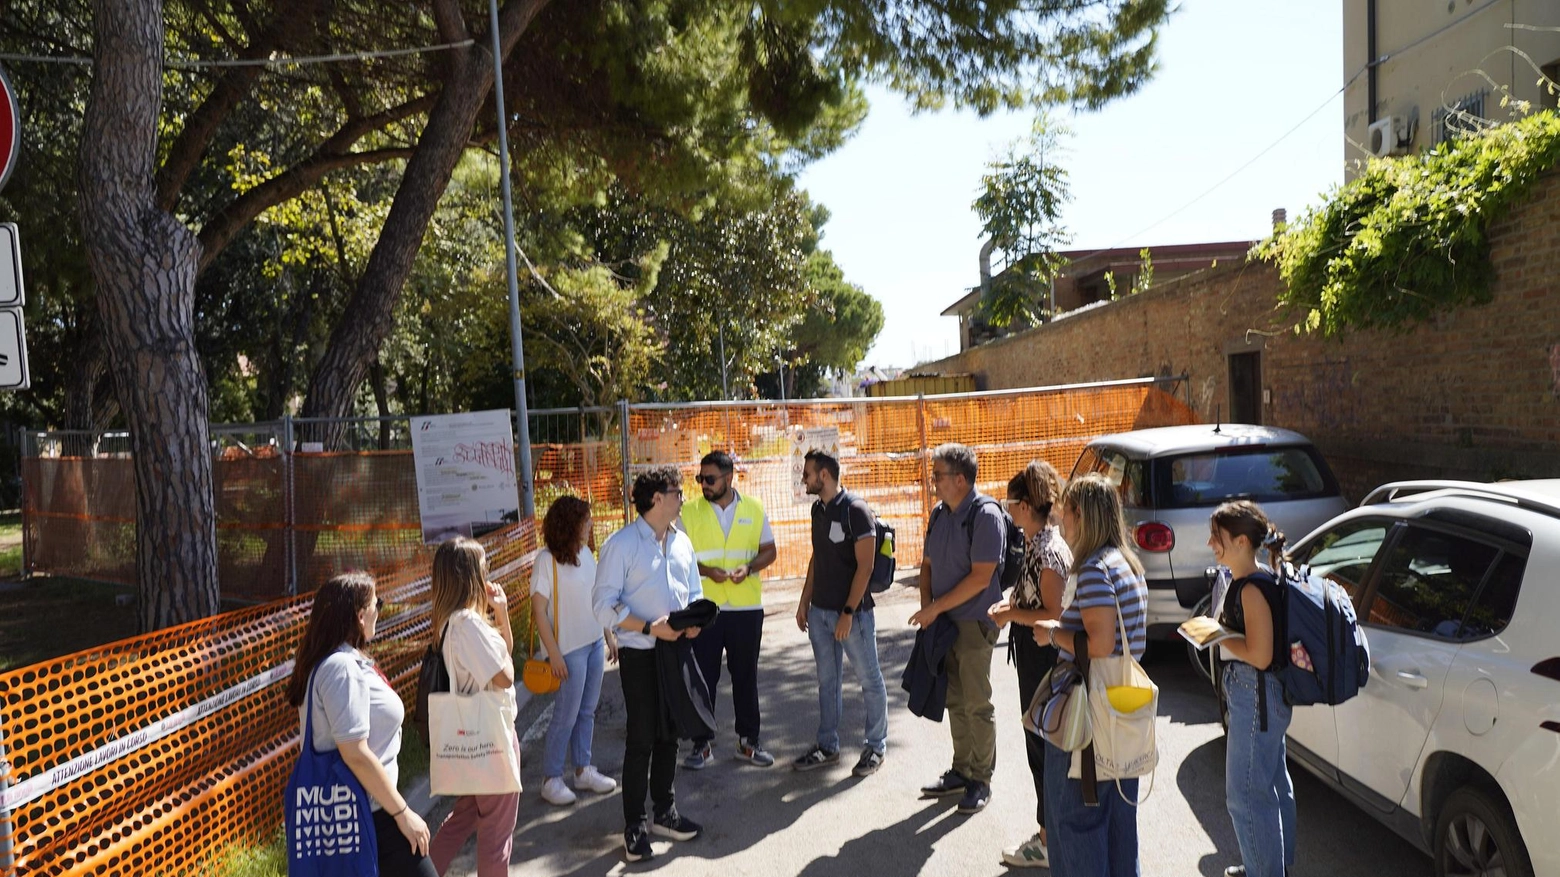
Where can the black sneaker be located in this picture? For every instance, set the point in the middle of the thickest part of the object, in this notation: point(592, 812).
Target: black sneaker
point(976, 796)
point(870, 761)
point(815, 758)
point(636, 843)
point(950, 783)
point(675, 826)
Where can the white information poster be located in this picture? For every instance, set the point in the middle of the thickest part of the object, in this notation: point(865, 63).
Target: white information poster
point(823, 438)
point(465, 473)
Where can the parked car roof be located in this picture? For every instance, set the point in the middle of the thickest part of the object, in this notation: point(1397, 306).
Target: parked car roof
point(1197, 437)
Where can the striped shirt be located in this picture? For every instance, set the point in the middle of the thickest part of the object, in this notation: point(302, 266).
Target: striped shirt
point(1104, 580)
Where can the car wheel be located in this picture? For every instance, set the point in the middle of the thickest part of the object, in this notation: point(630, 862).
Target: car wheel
point(1202, 659)
point(1477, 835)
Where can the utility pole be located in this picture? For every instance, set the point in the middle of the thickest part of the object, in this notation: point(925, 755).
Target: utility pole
point(516, 344)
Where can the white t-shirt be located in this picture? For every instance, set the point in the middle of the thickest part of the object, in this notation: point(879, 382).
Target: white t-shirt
point(577, 624)
point(474, 653)
point(351, 701)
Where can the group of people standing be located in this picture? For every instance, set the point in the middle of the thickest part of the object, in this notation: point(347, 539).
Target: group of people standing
point(1078, 579)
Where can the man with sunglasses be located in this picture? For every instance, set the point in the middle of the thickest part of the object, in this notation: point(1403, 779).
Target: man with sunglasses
point(732, 541)
point(959, 579)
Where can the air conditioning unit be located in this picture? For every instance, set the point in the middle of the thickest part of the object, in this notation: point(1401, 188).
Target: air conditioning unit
point(1389, 136)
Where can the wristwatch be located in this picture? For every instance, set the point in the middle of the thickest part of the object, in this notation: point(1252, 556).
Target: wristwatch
point(646, 629)
point(848, 610)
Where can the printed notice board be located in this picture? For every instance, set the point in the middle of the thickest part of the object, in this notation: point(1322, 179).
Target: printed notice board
point(465, 473)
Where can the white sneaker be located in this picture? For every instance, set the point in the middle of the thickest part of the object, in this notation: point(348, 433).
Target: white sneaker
point(1029, 854)
point(591, 780)
point(555, 792)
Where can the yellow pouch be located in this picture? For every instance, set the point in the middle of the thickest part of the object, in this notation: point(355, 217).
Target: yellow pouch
point(1129, 698)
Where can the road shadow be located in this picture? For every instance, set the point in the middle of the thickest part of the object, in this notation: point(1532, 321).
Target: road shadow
point(902, 848)
point(740, 805)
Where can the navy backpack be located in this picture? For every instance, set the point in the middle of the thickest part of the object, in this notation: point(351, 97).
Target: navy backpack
point(1328, 660)
point(330, 829)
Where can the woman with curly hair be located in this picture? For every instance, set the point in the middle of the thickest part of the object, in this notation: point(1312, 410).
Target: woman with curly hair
point(578, 651)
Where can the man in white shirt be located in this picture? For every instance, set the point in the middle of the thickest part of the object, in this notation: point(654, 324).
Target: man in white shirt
point(647, 571)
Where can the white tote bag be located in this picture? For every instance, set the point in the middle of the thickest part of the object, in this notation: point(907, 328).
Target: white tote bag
point(471, 744)
point(1123, 707)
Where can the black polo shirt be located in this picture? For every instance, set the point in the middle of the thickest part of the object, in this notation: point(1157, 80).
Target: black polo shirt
point(836, 527)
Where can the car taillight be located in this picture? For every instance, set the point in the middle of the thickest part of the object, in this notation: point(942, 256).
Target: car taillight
point(1154, 536)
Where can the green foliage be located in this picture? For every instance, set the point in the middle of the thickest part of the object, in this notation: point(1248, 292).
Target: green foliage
point(257, 860)
point(834, 335)
point(1145, 275)
point(1020, 207)
point(1409, 237)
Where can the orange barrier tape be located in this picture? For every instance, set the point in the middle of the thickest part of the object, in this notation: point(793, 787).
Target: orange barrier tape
point(168, 805)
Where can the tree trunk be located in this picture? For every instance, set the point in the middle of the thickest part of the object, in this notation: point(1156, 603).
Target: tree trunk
point(370, 314)
point(143, 262)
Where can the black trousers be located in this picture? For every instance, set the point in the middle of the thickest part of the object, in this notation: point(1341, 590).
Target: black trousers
point(738, 634)
point(1033, 661)
point(396, 858)
point(650, 761)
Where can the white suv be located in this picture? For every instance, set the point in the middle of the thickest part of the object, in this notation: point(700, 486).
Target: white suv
point(1455, 741)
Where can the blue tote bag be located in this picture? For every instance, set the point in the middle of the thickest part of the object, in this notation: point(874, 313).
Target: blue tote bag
point(330, 828)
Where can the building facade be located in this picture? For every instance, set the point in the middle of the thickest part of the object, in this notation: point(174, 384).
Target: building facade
point(1441, 67)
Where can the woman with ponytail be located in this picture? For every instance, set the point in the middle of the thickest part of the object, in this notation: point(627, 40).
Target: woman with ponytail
point(1260, 796)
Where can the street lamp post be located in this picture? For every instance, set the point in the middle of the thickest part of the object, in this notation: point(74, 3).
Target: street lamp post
point(516, 343)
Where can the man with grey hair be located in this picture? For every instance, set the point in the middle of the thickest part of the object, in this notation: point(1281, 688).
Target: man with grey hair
point(960, 579)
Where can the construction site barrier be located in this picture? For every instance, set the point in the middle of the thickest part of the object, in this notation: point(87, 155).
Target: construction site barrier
point(157, 754)
point(154, 754)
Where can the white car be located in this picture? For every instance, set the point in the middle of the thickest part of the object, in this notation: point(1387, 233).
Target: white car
point(1455, 740)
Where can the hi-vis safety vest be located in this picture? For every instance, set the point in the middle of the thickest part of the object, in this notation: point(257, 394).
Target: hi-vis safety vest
point(714, 548)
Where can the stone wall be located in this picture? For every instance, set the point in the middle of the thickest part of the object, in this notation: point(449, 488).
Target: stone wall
point(1473, 394)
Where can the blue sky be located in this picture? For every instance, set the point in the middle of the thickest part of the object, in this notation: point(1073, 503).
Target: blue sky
point(1234, 76)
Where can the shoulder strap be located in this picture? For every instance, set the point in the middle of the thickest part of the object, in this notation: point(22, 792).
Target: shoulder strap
point(554, 605)
point(308, 712)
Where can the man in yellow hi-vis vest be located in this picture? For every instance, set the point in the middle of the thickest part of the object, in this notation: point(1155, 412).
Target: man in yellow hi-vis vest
point(732, 541)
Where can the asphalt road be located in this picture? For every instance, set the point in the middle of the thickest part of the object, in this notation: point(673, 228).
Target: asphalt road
point(776, 822)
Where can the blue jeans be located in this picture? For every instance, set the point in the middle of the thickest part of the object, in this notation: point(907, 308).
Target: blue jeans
point(1260, 797)
point(1085, 841)
point(574, 709)
point(829, 653)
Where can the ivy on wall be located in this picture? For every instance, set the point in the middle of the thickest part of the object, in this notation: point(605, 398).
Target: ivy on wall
point(1409, 237)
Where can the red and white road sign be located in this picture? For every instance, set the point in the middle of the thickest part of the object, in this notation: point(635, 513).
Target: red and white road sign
point(10, 128)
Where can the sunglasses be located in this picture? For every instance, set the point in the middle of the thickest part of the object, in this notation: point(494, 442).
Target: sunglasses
point(708, 480)
point(676, 491)
point(379, 604)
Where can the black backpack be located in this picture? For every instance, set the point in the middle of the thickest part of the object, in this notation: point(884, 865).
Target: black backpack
point(1011, 566)
point(883, 564)
point(432, 678)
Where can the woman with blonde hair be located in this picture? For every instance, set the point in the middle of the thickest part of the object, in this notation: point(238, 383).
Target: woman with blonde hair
point(1098, 841)
point(577, 647)
point(1037, 596)
point(471, 616)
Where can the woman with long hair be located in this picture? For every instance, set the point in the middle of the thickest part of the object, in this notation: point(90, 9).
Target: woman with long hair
point(1037, 596)
point(355, 710)
point(471, 614)
point(1257, 787)
point(578, 651)
point(1099, 841)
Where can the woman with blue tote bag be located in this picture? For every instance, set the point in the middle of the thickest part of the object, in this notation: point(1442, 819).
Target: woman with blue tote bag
point(344, 816)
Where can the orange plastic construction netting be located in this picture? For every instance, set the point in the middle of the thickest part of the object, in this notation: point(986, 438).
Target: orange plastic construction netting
point(883, 445)
point(155, 754)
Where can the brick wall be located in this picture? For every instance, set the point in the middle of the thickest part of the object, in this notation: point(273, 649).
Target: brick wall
point(1473, 394)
